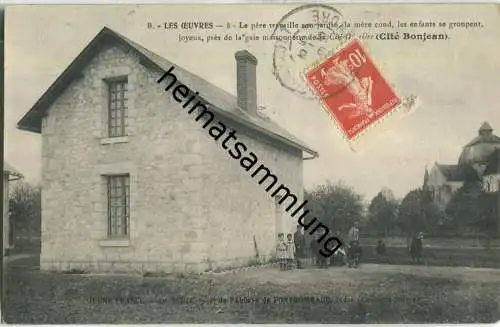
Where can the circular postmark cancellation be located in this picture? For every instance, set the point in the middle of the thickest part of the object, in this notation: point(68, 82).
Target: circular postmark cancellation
point(306, 34)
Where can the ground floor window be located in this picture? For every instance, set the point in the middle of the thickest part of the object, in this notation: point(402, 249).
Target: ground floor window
point(118, 205)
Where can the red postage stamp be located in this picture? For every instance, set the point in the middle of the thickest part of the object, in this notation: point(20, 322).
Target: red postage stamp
point(352, 89)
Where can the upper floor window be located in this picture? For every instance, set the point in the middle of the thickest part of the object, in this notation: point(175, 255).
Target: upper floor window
point(117, 107)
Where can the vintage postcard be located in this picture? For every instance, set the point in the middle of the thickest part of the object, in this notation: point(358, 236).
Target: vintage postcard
point(263, 163)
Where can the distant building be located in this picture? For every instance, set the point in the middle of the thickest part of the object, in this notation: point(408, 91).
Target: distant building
point(9, 174)
point(480, 158)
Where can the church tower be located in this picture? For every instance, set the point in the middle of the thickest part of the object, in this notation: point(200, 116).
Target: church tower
point(426, 179)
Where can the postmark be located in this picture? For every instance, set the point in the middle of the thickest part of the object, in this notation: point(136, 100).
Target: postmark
point(305, 35)
point(352, 89)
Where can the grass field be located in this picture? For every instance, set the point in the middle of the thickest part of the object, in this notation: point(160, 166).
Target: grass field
point(373, 293)
point(466, 257)
point(435, 242)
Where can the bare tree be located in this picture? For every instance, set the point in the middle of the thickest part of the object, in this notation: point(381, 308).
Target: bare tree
point(26, 209)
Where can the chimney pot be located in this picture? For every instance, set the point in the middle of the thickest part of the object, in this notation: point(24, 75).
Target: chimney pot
point(246, 79)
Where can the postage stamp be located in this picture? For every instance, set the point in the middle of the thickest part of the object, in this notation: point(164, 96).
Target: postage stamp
point(305, 35)
point(352, 89)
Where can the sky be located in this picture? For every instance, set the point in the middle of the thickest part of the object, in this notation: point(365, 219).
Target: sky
point(456, 81)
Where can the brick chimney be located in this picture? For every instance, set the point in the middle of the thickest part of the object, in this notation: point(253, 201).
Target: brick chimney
point(246, 79)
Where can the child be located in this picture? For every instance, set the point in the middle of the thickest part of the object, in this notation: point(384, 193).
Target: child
point(281, 250)
point(380, 247)
point(290, 250)
point(354, 254)
point(319, 259)
point(300, 246)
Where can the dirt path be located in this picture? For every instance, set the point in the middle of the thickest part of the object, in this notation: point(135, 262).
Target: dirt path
point(367, 273)
point(373, 293)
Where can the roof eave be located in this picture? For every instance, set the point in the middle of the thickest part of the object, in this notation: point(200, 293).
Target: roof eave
point(313, 154)
point(247, 123)
point(11, 173)
point(14, 177)
point(264, 131)
point(28, 127)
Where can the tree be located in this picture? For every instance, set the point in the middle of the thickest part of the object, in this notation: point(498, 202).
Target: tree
point(382, 212)
point(464, 208)
point(410, 213)
point(418, 213)
point(336, 205)
point(25, 203)
point(471, 208)
point(488, 222)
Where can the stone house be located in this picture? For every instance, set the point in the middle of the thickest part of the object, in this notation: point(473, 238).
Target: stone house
point(9, 174)
point(130, 182)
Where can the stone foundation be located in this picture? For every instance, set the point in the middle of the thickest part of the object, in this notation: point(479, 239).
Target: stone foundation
point(142, 267)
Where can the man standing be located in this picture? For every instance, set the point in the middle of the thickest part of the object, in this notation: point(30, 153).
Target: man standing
point(300, 245)
point(353, 235)
point(352, 238)
point(416, 248)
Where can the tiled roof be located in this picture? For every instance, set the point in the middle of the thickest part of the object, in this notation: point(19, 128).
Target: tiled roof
point(491, 138)
point(221, 101)
point(452, 173)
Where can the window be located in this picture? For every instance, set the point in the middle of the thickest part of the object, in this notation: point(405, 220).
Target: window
point(118, 205)
point(117, 107)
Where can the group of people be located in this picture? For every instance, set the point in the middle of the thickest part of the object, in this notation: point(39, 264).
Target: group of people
point(291, 250)
point(286, 251)
point(415, 249)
